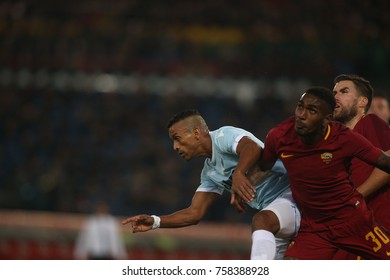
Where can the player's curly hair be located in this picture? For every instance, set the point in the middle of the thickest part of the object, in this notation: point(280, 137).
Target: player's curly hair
point(325, 95)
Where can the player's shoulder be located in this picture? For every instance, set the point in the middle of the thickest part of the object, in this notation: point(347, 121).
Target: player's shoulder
point(230, 130)
point(229, 127)
point(375, 130)
point(225, 133)
point(232, 133)
point(372, 126)
point(373, 117)
point(343, 135)
point(338, 129)
point(373, 120)
point(338, 126)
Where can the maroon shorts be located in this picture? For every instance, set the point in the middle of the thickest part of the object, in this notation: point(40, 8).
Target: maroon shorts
point(359, 235)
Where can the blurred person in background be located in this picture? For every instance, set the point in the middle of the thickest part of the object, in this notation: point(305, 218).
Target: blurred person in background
point(100, 237)
point(380, 106)
point(230, 154)
point(353, 95)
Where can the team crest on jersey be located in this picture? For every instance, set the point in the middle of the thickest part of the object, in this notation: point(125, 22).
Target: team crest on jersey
point(326, 157)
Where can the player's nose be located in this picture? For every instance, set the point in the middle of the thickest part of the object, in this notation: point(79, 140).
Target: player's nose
point(175, 146)
point(301, 114)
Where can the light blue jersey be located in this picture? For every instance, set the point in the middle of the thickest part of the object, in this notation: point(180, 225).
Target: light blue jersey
point(217, 172)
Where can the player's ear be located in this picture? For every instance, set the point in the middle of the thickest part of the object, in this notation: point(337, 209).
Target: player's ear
point(329, 117)
point(363, 101)
point(196, 132)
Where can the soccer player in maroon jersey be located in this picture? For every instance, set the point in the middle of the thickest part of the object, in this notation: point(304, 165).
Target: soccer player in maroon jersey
point(353, 96)
point(317, 153)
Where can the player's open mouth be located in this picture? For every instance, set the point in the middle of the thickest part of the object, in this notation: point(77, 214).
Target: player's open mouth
point(299, 124)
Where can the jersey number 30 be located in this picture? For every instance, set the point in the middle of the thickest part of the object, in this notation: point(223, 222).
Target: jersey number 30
point(378, 237)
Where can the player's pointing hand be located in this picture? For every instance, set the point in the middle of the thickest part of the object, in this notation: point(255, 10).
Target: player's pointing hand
point(139, 223)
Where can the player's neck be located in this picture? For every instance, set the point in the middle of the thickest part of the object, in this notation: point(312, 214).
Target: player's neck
point(207, 146)
point(352, 123)
point(314, 138)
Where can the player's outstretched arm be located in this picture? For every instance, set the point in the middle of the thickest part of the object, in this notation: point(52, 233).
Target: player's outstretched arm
point(383, 162)
point(375, 181)
point(201, 202)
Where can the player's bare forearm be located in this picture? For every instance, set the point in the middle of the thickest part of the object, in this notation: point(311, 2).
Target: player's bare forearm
point(249, 153)
point(383, 162)
point(201, 202)
point(256, 175)
point(374, 182)
point(182, 218)
point(142, 223)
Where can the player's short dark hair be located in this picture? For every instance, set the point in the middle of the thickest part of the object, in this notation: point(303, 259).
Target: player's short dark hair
point(362, 85)
point(325, 95)
point(182, 115)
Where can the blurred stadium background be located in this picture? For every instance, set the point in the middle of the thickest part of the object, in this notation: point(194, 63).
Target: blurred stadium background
point(87, 88)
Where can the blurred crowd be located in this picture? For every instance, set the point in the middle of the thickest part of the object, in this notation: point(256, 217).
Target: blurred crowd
point(65, 149)
point(253, 38)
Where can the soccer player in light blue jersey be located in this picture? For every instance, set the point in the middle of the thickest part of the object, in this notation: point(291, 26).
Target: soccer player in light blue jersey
point(231, 154)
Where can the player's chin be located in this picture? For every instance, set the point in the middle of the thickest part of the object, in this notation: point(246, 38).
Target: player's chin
point(184, 156)
point(337, 111)
point(187, 157)
point(300, 131)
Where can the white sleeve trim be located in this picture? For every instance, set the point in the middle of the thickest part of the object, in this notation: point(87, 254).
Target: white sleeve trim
point(206, 189)
point(236, 141)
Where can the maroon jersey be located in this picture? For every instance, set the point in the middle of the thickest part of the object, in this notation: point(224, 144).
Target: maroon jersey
point(377, 131)
point(320, 174)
